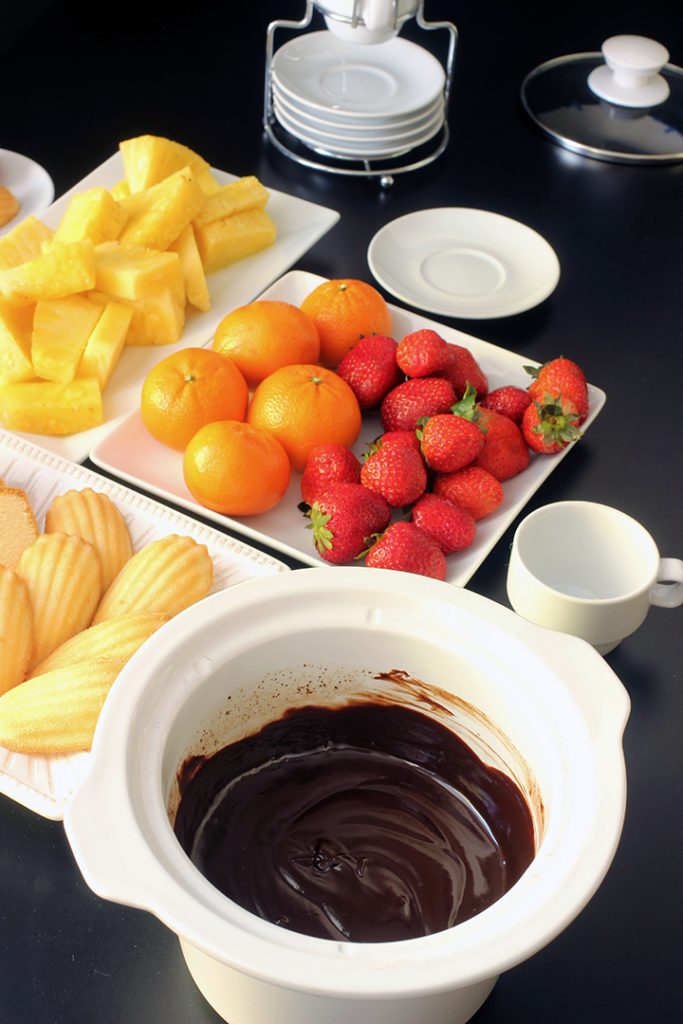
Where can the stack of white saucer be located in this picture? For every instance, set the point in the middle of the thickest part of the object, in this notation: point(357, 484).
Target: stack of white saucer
point(357, 102)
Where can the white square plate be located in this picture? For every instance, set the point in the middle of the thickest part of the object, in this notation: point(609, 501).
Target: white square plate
point(299, 224)
point(131, 452)
point(46, 783)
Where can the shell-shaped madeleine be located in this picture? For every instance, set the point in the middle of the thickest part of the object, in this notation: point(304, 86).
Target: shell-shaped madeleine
point(56, 713)
point(93, 517)
point(16, 629)
point(113, 638)
point(64, 581)
point(166, 575)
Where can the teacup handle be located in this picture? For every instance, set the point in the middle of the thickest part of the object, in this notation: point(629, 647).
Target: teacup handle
point(668, 594)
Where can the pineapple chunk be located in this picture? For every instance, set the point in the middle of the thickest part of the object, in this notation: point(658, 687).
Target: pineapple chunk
point(15, 343)
point(23, 242)
point(158, 319)
point(148, 159)
point(121, 190)
point(233, 238)
point(59, 270)
point(132, 272)
point(47, 407)
point(163, 211)
point(196, 288)
point(92, 214)
point(61, 328)
point(105, 344)
point(207, 183)
point(244, 194)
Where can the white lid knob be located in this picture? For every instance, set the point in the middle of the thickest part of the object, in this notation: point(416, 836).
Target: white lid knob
point(630, 76)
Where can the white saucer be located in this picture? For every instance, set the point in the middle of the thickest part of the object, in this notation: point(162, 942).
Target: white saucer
point(464, 263)
point(365, 147)
point(325, 73)
point(29, 182)
point(348, 124)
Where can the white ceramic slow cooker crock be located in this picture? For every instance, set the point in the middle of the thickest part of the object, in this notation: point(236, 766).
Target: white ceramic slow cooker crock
point(542, 706)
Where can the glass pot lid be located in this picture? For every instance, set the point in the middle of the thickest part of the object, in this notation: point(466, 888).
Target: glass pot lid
point(624, 104)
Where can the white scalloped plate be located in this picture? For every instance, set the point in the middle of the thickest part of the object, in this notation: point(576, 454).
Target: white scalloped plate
point(45, 784)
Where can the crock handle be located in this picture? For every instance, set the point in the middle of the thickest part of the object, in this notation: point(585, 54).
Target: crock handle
point(668, 590)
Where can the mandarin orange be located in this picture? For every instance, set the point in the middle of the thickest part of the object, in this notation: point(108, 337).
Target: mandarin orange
point(236, 469)
point(344, 311)
point(304, 406)
point(188, 389)
point(265, 335)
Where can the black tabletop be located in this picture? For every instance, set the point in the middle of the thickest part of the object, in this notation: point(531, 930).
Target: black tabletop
point(76, 78)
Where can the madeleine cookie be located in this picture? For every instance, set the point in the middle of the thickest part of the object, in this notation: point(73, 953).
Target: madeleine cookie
point(64, 580)
point(16, 629)
point(17, 525)
point(166, 575)
point(56, 713)
point(113, 638)
point(93, 517)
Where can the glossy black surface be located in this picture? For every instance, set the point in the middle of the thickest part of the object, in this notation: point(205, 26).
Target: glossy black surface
point(74, 79)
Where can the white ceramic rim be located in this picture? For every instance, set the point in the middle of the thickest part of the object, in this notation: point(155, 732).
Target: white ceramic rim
point(418, 76)
point(366, 148)
point(339, 121)
point(528, 263)
point(157, 876)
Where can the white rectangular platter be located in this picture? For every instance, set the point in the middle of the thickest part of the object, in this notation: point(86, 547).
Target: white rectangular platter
point(300, 224)
point(130, 452)
point(45, 784)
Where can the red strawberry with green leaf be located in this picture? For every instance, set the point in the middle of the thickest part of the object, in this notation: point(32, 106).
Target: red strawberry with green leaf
point(328, 464)
point(449, 442)
point(505, 453)
point(422, 353)
point(404, 546)
point(344, 518)
point(560, 377)
point(408, 403)
point(404, 437)
point(370, 369)
point(551, 424)
point(451, 526)
point(509, 401)
point(473, 488)
point(397, 472)
point(462, 369)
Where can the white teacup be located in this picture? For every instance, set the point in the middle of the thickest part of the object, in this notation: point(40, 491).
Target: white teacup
point(589, 570)
point(379, 21)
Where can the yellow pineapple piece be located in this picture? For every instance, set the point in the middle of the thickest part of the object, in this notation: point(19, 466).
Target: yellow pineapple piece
point(233, 238)
point(61, 328)
point(59, 270)
point(244, 194)
point(158, 319)
point(148, 159)
point(163, 211)
point(23, 242)
point(121, 190)
point(133, 272)
point(50, 407)
point(196, 288)
point(106, 343)
point(92, 214)
point(207, 182)
point(15, 343)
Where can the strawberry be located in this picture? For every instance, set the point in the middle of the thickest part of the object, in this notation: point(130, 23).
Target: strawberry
point(328, 464)
point(450, 442)
point(463, 369)
point(405, 437)
point(397, 472)
point(370, 369)
point(451, 526)
point(563, 377)
point(505, 453)
point(550, 425)
point(343, 518)
point(509, 401)
point(422, 353)
point(472, 488)
point(406, 547)
point(410, 401)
